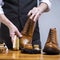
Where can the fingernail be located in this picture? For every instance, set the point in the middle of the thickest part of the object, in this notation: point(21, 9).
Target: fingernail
point(20, 35)
point(34, 20)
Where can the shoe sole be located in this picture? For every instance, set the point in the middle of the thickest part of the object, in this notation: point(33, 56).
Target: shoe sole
point(30, 51)
point(50, 51)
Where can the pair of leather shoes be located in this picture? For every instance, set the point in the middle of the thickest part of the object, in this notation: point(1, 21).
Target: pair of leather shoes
point(51, 45)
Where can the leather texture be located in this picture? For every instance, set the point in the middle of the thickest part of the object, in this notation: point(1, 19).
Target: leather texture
point(51, 45)
point(27, 32)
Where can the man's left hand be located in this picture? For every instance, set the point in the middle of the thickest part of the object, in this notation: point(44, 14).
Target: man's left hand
point(34, 13)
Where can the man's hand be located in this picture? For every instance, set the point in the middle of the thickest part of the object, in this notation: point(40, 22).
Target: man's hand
point(34, 13)
point(13, 30)
point(37, 11)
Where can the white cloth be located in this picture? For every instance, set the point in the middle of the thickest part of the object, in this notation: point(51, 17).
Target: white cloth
point(45, 1)
point(1, 10)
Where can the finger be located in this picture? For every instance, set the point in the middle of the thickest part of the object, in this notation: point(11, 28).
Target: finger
point(36, 17)
point(19, 34)
point(32, 16)
point(30, 12)
point(12, 36)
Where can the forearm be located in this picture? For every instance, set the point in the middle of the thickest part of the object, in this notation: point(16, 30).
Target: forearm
point(5, 20)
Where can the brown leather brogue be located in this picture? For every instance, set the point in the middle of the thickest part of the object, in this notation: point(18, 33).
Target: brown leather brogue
point(51, 45)
point(27, 33)
point(26, 39)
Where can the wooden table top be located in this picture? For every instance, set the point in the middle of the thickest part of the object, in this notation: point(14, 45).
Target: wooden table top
point(17, 55)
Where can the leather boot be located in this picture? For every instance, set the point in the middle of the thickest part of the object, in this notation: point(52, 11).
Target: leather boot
point(51, 46)
point(26, 39)
point(27, 33)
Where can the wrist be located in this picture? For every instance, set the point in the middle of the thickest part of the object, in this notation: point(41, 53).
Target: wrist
point(42, 7)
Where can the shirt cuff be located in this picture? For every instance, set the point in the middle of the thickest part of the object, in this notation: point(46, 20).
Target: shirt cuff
point(48, 3)
point(1, 10)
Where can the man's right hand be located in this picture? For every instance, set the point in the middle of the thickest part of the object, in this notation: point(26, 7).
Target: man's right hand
point(13, 30)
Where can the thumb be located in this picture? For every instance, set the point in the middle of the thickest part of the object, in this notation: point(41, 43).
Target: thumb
point(12, 36)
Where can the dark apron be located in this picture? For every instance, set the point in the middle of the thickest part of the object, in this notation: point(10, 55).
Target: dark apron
point(16, 11)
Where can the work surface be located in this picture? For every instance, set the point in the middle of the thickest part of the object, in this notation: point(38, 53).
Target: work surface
point(17, 55)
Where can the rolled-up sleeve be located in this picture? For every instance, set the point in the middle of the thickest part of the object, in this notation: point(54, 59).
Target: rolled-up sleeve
point(1, 10)
point(48, 2)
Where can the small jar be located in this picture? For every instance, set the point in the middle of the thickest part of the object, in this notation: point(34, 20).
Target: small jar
point(16, 43)
point(36, 47)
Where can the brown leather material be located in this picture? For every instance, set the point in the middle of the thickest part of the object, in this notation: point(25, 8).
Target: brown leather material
point(51, 45)
point(27, 33)
point(3, 48)
point(28, 46)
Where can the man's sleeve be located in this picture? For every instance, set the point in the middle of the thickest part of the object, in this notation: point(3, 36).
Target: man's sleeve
point(1, 10)
point(48, 2)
